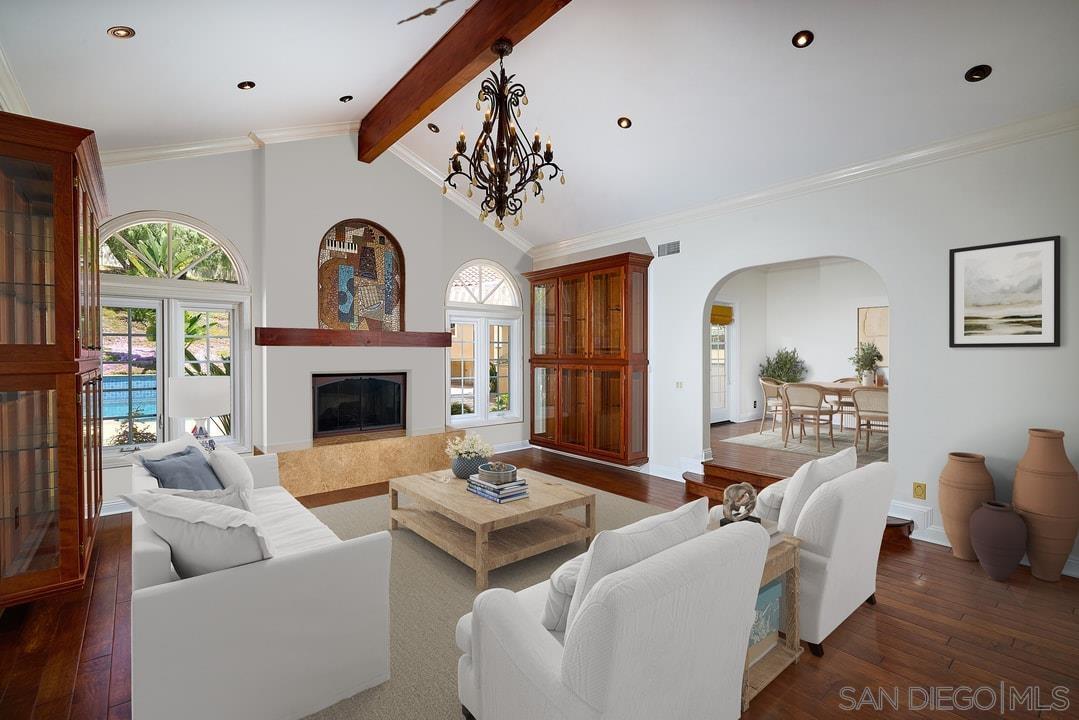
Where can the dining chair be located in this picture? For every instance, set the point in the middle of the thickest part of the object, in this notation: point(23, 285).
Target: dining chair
point(843, 404)
point(870, 408)
point(773, 400)
point(804, 400)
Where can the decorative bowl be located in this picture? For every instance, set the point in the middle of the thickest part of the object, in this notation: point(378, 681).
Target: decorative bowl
point(498, 473)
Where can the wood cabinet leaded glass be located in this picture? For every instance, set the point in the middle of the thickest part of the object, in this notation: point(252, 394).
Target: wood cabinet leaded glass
point(51, 196)
point(589, 359)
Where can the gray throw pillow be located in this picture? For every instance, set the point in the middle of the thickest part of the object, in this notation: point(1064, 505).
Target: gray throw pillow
point(185, 470)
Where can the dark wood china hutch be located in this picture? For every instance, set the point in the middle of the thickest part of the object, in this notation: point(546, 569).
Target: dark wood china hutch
point(589, 358)
point(52, 196)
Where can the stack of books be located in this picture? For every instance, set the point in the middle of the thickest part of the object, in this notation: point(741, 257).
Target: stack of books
point(499, 493)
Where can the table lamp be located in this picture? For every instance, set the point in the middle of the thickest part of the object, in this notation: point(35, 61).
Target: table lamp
point(200, 397)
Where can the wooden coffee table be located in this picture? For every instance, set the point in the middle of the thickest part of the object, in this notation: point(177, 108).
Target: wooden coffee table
point(483, 534)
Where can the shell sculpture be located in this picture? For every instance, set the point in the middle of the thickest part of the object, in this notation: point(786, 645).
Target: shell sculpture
point(739, 501)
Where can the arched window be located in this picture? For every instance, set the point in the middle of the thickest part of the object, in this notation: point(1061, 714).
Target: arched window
point(484, 359)
point(166, 249)
point(174, 303)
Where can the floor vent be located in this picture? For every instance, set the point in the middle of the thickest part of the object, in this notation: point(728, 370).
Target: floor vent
point(671, 248)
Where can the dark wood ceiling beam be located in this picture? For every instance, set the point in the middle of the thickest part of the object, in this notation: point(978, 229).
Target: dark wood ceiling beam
point(455, 60)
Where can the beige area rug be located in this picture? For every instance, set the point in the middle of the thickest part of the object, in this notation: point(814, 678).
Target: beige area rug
point(773, 440)
point(429, 592)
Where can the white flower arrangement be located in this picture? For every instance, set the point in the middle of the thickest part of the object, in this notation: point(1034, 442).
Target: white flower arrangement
point(470, 446)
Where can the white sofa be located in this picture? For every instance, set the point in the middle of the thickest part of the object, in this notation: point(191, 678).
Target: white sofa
point(841, 527)
point(663, 638)
point(272, 640)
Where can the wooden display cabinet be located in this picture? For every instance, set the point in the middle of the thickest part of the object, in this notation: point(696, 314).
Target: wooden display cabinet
point(51, 196)
point(589, 360)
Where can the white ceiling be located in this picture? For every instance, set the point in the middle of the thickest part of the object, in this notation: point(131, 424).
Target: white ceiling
point(721, 103)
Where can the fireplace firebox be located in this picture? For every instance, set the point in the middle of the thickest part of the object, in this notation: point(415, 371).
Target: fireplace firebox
point(360, 403)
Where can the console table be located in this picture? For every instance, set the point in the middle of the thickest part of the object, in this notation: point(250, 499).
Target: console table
point(782, 561)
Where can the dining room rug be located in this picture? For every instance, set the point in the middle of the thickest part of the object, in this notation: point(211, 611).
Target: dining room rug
point(429, 592)
point(773, 440)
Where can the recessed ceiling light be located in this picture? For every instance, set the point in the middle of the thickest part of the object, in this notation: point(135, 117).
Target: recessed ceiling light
point(802, 38)
point(978, 73)
point(245, 85)
point(121, 32)
point(624, 122)
point(432, 127)
point(345, 98)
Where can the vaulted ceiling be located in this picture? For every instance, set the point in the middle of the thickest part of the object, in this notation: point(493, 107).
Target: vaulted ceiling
point(721, 102)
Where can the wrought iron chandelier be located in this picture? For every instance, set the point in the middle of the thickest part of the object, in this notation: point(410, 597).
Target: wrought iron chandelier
point(502, 165)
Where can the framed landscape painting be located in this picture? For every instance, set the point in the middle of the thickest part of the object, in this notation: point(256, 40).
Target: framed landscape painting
point(1006, 295)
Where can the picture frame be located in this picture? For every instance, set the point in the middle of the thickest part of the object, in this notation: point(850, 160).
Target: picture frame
point(1005, 294)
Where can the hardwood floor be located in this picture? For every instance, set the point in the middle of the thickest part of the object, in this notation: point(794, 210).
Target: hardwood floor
point(938, 622)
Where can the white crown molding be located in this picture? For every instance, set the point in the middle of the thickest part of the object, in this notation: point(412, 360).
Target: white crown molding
point(11, 98)
point(303, 132)
point(177, 151)
point(994, 138)
point(456, 198)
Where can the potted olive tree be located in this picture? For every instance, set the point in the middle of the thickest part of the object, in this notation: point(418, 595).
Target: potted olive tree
point(784, 366)
point(865, 360)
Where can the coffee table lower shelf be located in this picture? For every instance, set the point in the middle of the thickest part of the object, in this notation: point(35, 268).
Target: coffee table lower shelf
point(502, 547)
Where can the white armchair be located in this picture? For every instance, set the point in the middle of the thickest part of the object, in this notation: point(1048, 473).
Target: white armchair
point(665, 637)
point(841, 527)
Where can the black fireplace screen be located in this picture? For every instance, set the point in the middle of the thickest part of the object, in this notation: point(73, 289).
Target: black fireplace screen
point(358, 403)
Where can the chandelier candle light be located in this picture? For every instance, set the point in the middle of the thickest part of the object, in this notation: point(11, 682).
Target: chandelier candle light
point(502, 165)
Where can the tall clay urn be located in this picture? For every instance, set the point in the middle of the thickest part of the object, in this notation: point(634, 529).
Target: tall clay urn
point(964, 485)
point(999, 537)
point(1046, 495)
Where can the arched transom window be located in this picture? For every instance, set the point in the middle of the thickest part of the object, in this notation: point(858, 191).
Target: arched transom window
point(483, 284)
point(166, 250)
point(485, 355)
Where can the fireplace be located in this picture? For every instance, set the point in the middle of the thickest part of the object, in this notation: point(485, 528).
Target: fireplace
point(367, 402)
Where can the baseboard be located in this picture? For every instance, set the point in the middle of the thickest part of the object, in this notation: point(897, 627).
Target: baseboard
point(922, 515)
point(512, 446)
point(115, 506)
point(935, 534)
point(664, 471)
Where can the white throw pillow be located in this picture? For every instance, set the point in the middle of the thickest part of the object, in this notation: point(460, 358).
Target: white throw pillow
point(170, 448)
point(235, 496)
point(231, 469)
point(205, 537)
point(560, 593)
point(807, 479)
point(613, 550)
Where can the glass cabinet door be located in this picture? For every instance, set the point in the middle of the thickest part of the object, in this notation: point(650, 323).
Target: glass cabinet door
point(607, 417)
point(545, 318)
point(27, 254)
point(545, 402)
point(573, 307)
point(607, 312)
point(89, 458)
point(29, 480)
point(573, 397)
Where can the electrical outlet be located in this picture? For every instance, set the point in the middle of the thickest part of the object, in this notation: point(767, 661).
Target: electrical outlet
point(754, 404)
point(678, 384)
point(919, 491)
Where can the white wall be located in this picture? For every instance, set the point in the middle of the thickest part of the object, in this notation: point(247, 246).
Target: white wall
point(901, 224)
point(274, 205)
point(747, 291)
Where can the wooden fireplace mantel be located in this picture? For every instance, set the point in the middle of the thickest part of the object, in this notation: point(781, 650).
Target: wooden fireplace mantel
point(322, 337)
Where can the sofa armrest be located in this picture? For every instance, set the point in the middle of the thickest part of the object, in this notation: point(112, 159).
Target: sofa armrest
point(519, 663)
point(265, 470)
point(281, 638)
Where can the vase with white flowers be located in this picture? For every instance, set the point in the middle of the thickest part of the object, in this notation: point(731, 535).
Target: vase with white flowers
point(468, 453)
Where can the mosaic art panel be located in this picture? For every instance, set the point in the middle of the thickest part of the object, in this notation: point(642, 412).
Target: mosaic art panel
point(360, 278)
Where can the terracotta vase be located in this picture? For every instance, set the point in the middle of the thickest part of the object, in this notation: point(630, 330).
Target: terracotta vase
point(999, 537)
point(1046, 495)
point(964, 485)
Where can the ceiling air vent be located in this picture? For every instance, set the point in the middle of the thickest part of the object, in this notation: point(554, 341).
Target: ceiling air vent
point(671, 248)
